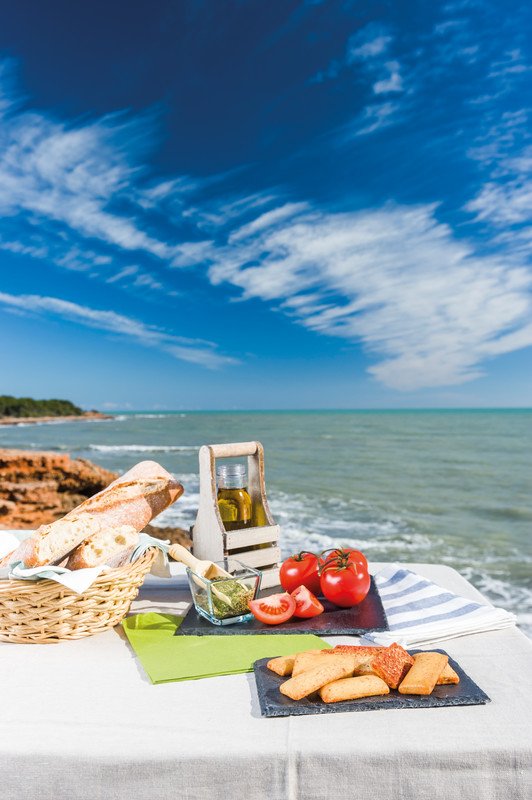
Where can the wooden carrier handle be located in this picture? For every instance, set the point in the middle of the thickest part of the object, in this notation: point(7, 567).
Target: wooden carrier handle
point(234, 449)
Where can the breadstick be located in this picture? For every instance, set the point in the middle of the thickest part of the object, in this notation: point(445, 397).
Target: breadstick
point(448, 676)
point(353, 688)
point(304, 684)
point(282, 665)
point(306, 660)
point(422, 677)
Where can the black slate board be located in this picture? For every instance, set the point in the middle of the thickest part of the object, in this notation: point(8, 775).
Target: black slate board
point(368, 615)
point(274, 704)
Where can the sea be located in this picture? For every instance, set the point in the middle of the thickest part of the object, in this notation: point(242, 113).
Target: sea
point(451, 487)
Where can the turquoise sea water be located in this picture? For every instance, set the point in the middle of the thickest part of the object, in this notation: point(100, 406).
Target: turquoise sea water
point(453, 487)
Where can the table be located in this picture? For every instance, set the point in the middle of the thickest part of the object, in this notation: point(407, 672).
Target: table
point(80, 721)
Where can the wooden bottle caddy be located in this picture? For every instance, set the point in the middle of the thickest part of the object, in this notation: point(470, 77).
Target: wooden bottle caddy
point(256, 547)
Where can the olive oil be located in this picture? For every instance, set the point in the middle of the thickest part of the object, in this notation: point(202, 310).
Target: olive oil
point(234, 502)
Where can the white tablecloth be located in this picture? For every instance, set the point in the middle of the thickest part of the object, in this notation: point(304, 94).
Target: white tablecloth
point(80, 721)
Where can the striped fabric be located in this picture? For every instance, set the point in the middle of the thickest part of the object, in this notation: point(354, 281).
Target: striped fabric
point(421, 613)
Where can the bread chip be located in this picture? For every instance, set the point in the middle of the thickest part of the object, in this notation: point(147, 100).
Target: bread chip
point(353, 689)
point(422, 677)
point(282, 665)
point(310, 681)
point(392, 664)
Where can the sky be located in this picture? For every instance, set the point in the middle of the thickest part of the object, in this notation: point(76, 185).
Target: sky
point(250, 204)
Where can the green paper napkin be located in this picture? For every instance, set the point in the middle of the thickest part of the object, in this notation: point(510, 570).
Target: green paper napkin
point(166, 657)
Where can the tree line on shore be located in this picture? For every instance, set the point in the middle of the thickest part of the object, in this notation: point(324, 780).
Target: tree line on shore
point(28, 407)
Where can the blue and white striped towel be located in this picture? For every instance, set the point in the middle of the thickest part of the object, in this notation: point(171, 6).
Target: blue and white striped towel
point(420, 612)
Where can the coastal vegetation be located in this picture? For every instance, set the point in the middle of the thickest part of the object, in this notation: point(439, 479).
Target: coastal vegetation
point(28, 407)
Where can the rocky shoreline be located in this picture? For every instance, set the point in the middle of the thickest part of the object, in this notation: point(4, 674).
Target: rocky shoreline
point(38, 487)
point(87, 415)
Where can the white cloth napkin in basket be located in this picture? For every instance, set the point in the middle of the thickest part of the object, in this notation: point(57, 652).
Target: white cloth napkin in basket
point(78, 580)
point(422, 613)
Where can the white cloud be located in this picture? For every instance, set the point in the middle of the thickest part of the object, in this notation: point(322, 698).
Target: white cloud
point(81, 178)
point(35, 251)
point(267, 219)
point(503, 204)
point(374, 46)
point(374, 118)
point(428, 308)
point(195, 351)
point(392, 82)
point(126, 272)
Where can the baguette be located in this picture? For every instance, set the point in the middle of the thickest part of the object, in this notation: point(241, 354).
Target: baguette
point(103, 546)
point(132, 499)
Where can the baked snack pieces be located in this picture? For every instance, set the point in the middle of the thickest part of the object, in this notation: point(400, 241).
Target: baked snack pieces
point(423, 676)
point(353, 688)
point(447, 677)
point(392, 664)
point(282, 665)
point(310, 681)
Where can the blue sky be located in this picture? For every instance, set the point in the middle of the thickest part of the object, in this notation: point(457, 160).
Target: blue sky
point(266, 204)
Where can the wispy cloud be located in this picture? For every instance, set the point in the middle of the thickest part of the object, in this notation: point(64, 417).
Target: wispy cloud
point(428, 309)
point(367, 59)
point(424, 304)
point(393, 81)
point(373, 118)
point(85, 179)
point(195, 351)
point(364, 54)
point(367, 45)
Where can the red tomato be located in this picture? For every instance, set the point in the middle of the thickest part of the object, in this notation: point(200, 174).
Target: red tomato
point(274, 609)
point(344, 583)
point(354, 555)
point(307, 605)
point(301, 569)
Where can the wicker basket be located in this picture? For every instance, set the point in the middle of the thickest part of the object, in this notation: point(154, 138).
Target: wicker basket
point(45, 612)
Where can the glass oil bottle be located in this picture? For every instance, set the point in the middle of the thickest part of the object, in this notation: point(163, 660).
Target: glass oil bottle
point(234, 501)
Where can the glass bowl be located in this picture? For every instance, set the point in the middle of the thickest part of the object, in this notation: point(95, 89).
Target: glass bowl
point(224, 601)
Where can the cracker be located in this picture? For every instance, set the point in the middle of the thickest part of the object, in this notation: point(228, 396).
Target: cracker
point(392, 664)
point(353, 689)
point(356, 649)
point(448, 676)
point(282, 665)
point(422, 677)
point(357, 664)
point(306, 660)
point(300, 686)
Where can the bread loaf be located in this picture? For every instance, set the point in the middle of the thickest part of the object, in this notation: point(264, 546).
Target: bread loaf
point(103, 546)
point(132, 500)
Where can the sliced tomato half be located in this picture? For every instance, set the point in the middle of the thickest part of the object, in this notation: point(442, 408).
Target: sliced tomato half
point(274, 609)
point(307, 604)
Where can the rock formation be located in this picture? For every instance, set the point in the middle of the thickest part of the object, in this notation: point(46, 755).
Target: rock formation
point(40, 487)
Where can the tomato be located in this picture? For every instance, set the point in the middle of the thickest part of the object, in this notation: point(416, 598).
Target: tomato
point(301, 569)
point(274, 609)
point(354, 555)
point(344, 583)
point(307, 605)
